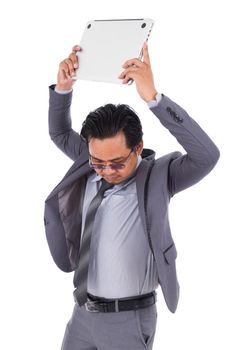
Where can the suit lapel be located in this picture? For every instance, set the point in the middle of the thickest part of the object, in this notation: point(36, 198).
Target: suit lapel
point(141, 176)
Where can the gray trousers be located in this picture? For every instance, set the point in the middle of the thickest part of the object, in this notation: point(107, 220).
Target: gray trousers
point(134, 330)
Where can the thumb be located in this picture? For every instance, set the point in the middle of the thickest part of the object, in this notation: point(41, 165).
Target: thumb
point(146, 57)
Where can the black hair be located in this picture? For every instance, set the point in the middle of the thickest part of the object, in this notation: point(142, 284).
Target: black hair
point(106, 121)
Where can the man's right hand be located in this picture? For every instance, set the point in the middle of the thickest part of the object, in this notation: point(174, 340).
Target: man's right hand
point(67, 70)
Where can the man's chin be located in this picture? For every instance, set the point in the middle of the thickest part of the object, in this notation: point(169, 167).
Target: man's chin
point(113, 179)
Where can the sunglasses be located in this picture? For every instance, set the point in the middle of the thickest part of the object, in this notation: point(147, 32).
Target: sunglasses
point(113, 166)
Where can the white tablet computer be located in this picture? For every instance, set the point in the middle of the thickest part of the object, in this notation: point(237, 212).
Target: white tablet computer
point(107, 44)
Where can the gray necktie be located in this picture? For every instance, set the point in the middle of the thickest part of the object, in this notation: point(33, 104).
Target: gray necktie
point(81, 273)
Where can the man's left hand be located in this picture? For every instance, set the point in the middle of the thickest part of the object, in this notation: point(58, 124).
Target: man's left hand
point(141, 73)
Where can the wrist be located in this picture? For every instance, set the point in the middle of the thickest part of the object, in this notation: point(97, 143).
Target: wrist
point(61, 91)
point(59, 87)
point(150, 96)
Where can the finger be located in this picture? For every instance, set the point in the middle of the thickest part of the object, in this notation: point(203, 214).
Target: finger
point(74, 58)
point(127, 71)
point(64, 69)
point(64, 66)
point(126, 80)
point(146, 57)
point(62, 75)
point(128, 77)
point(135, 61)
point(76, 48)
point(65, 73)
point(70, 64)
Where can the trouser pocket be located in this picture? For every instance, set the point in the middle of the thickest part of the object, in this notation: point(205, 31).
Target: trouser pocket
point(146, 319)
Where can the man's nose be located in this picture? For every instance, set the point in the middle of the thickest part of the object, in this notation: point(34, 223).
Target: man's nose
point(108, 171)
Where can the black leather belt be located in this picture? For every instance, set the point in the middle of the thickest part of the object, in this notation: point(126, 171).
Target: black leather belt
point(96, 304)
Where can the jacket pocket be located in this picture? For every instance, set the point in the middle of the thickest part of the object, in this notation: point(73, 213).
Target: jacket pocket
point(170, 254)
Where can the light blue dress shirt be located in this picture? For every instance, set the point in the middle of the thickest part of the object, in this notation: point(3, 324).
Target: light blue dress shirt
point(121, 262)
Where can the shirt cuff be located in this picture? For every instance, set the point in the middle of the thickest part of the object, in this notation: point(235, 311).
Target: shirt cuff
point(63, 92)
point(154, 103)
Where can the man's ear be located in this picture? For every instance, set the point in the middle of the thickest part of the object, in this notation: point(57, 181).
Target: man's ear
point(139, 147)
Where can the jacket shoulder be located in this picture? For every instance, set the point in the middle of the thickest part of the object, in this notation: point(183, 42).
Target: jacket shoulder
point(167, 158)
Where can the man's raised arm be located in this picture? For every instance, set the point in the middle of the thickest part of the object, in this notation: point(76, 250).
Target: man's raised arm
point(60, 125)
point(202, 153)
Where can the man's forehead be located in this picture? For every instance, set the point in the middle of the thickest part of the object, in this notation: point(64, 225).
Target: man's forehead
point(108, 149)
point(109, 156)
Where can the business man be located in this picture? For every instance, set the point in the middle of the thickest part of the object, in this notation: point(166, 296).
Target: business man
point(107, 220)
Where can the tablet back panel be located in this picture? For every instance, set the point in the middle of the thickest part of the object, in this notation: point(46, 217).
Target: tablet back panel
point(107, 44)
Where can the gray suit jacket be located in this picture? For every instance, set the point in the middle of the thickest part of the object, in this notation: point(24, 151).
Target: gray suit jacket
point(156, 180)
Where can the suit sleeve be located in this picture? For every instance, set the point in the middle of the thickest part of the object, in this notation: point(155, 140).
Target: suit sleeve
point(60, 125)
point(202, 154)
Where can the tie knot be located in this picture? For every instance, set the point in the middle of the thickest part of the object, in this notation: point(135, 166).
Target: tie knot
point(105, 186)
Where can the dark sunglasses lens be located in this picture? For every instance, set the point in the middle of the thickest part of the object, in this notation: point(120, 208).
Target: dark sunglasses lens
point(112, 166)
point(117, 166)
point(98, 166)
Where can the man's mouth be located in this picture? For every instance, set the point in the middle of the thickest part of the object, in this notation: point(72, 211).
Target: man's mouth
point(110, 178)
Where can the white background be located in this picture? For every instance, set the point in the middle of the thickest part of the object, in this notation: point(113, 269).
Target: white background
point(193, 48)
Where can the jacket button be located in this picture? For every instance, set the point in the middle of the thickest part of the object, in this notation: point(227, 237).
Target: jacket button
point(174, 115)
point(180, 120)
point(168, 109)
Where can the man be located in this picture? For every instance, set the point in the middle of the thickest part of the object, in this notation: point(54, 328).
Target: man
point(107, 220)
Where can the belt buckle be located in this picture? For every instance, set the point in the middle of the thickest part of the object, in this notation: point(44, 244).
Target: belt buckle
point(90, 306)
